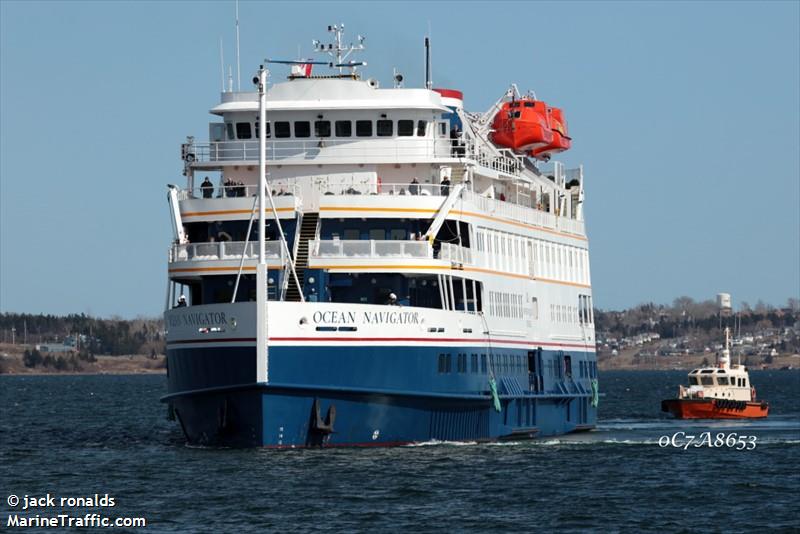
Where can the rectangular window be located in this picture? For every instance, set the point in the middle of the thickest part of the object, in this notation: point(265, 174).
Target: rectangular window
point(707, 380)
point(282, 129)
point(351, 234)
point(377, 234)
point(442, 129)
point(405, 128)
point(344, 128)
point(722, 380)
point(397, 234)
point(364, 128)
point(322, 128)
point(442, 368)
point(385, 128)
point(422, 126)
point(243, 130)
point(483, 364)
point(229, 131)
point(474, 362)
point(269, 131)
point(568, 366)
point(448, 359)
point(462, 363)
point(302, 129)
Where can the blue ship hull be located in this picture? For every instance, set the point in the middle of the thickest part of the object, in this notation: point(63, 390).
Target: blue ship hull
point(403, 395)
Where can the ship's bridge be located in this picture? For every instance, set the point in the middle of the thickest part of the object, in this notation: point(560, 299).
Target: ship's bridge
point(329, 121)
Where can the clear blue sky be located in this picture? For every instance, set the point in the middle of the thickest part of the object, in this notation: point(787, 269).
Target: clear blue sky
point(685, 115)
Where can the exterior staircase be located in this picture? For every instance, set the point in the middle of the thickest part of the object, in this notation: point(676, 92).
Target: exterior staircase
point(457, 174)
point(308, 232)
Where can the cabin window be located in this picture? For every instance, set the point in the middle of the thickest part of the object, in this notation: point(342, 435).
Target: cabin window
point(462, 363)
point(229, 131)
point(364, 128)
point(483, 363)
point(529, 104)
point(282, 129)
point(568, 366)
point(517, 114)
point(422, 126)
point(405, 128)
point(447, 362)
point(302, 129)
point(693, 381)
point(377, 234)
point(744, 382)
point(442, 129)
point(385, 128)
point(535, 308)
point(474, 361)
point(514, 104)
point(351, 234)
point(269, 130)
point(322, 128)
point(442, 368)
point(397, 234)
point(344, 128)
point(722, 380)
point(707, 380)
point(243, 130)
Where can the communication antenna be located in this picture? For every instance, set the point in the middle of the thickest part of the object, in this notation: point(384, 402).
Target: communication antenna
point(428, 77)
point(238, 68)
point(338, 52)
point(221, 64)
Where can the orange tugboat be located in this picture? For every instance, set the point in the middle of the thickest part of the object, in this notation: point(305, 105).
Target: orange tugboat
point(720, 392)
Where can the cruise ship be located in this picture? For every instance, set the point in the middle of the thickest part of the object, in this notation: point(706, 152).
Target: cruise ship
point(359, 265)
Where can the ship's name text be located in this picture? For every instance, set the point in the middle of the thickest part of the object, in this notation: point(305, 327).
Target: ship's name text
point(368, 317)
point(197, 319)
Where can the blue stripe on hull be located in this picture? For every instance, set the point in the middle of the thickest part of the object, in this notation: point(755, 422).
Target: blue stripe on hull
point(408, 401)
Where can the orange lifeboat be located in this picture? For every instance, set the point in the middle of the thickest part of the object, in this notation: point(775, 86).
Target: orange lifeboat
point(561, 141)
point(522, 125)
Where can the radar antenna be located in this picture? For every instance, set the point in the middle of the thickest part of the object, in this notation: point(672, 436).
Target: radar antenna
point(340, 53)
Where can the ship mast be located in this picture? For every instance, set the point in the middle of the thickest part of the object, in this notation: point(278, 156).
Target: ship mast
point(724, 360)
point(262, 332)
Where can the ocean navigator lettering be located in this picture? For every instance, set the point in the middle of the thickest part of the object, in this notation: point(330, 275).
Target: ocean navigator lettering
point(198, 319)
point(391, 317)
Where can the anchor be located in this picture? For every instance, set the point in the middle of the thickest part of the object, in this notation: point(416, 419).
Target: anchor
point(319, 430)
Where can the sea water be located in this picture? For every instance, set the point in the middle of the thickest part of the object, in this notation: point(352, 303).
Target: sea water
point(107, 436)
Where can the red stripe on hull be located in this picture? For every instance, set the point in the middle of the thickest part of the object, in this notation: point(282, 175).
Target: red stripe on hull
point(713, 409)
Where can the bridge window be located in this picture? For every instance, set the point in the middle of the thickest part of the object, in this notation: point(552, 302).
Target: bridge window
point(243, 130)
point(282, 129)
point(405, 128)
point(422, 126)
point(302, 129)
point(344, 128)
point(364, 128)
point(442, 129)
point(385, 128)
point(707, 380)
point(229, 131)
point(693, 381)
point(322, 128)
point(722, 380)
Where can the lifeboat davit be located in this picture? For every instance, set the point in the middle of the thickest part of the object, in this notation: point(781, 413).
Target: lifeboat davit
point(522, 125)
point(561, 141)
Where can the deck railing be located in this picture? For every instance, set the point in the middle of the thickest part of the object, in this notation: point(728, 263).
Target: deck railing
point(338, 248)
point(223, 250)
